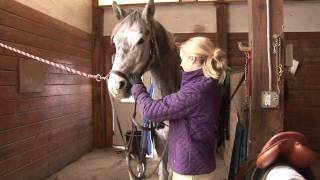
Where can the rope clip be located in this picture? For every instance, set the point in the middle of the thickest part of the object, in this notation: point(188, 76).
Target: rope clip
point(100, 78)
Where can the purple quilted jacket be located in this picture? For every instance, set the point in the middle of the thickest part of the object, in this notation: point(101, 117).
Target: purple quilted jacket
point(193, 115)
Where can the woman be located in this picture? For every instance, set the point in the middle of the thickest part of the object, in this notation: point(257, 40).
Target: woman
point(192, 111)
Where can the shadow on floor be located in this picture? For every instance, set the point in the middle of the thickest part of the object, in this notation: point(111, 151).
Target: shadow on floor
point(316, 167)
point(108, 164)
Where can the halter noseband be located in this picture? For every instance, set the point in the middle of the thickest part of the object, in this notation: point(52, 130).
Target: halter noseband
point(119, 73)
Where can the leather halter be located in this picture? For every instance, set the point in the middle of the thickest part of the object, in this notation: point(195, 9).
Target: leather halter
point(119, 73)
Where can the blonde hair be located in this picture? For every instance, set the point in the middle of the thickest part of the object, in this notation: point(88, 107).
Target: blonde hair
point(214, 62)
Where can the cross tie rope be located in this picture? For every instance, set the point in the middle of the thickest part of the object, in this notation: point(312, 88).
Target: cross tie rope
point(97, 77)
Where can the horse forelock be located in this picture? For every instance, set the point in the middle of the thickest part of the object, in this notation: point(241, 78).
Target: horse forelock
point(134, 17)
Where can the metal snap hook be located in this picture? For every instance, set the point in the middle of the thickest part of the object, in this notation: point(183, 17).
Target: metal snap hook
point(98, 78)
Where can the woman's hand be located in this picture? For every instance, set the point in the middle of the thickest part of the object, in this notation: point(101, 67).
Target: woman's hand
point(135, 79)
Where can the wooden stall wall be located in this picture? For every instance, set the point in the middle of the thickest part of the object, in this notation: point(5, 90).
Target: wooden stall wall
point(302, 89)
point(301, 107)
point(40, 133)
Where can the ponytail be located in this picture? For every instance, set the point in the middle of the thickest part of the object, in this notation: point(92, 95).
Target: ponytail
point(215, 65)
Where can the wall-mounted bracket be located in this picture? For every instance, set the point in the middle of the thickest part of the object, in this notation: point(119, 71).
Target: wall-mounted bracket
point(244, 48)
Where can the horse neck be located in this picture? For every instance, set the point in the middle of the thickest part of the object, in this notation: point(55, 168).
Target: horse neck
point(165, 70)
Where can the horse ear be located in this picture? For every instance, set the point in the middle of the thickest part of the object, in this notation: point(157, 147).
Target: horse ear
point(148, 11)
point(120, 14)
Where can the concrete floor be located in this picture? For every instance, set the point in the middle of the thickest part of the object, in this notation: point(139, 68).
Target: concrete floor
point(316, 167)
point(109, 164)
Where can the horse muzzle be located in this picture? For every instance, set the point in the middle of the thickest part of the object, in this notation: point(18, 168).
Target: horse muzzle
point(118, 85)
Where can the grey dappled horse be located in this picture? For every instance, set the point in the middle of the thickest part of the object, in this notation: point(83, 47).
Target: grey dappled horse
point(142, 44)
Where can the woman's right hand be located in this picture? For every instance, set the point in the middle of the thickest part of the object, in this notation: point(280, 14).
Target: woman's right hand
point(135, 79)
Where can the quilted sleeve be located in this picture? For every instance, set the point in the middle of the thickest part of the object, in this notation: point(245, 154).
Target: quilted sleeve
point(174, 106)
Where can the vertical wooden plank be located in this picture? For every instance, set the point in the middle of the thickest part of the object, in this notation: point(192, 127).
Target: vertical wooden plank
point(98, 67)
point(264, 123)
point(302, 100)
point(109, 120)
point(222, 25)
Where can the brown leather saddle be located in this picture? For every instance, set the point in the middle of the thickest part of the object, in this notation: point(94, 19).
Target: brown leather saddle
point(293, 146)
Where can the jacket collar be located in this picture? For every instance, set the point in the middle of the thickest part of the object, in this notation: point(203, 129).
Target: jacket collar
point(189, 76)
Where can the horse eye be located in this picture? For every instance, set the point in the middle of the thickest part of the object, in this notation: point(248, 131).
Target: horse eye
point(140, 41)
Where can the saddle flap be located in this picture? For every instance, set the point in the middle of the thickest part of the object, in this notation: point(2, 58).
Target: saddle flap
point(301, 156)
point(282, 136)
point(292, 145)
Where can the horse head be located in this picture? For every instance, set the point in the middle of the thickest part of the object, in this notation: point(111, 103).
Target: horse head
point(132, 38)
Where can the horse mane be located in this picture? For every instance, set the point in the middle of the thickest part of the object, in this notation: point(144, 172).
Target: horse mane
point(167, 74)
point(164, 37)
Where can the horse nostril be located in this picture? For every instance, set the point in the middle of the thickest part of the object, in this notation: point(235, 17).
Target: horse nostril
point(122, 84)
